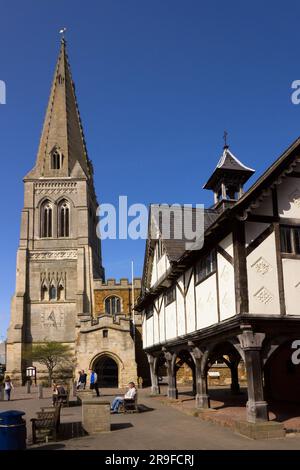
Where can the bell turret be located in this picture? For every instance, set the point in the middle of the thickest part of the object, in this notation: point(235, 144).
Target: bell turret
point(228, 179)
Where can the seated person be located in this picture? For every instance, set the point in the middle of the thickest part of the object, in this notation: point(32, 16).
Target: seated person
point(58, 392)
point(129, 395)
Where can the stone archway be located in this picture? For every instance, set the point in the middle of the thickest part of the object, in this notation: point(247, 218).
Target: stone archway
point(107, 370)
point(185, 370)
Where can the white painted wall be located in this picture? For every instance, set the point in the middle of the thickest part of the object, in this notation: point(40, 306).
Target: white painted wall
point(156, 327)
point(149, 331)
point(162, 328)
point(226, 288)
point(170, 311)
point(144, 331)
point(181, 322)
point(206, 302)
point(190, 301)
point(159, 267)
point(263, 278)
point(291, 277)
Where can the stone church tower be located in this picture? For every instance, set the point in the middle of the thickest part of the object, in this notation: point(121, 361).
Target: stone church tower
point(59, 256)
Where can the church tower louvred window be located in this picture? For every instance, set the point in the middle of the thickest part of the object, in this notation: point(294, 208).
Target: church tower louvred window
point(56, 158)
point(46, 219)
point(64, 219)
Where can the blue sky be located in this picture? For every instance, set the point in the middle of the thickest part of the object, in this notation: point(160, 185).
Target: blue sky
point(157, 83)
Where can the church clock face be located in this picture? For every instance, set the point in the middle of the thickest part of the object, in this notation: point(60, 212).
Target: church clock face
point(52, 319)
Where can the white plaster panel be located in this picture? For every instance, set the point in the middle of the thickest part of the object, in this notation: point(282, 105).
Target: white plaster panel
point(288, 193)
point(206, 302)
point(226, 288)
point(180, 309)
point(162, 266)
point(291, 278)
point(154, 268)
point(170, 320)
point(253, 230)
point(162, 320)
point(149, 333)
point(263, 278)
point(144, 331)
point(227, 244)
point(190, 304)
point(156, 327)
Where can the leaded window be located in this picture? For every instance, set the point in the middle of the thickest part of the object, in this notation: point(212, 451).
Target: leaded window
point(206, 266)
point(112, 305)
point(290, 239)
point(170, 295)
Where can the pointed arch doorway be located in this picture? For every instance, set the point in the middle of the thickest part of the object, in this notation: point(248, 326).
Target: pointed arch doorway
point(107, 371)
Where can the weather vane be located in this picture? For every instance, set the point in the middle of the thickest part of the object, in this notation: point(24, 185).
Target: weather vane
point(225, 139)
point(62, 32)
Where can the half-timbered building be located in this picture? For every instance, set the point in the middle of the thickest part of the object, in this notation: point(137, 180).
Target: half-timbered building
point(237, 298)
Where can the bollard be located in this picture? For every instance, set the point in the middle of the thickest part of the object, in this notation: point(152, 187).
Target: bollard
point(28, 386)
point(40, 391)
point(1, 393)
point(74, 389)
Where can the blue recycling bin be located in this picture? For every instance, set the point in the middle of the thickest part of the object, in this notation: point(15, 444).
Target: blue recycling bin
point(12, 430)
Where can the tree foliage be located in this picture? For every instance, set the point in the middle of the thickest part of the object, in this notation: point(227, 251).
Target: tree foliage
point(52, 355)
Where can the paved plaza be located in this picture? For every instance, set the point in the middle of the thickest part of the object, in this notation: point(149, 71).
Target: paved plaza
point(157, 426)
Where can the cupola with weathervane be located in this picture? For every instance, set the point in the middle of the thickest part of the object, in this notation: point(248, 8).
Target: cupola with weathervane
point(228, 179)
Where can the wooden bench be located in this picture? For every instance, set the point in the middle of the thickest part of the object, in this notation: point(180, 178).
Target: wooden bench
point(47, 422)
point(130, 405)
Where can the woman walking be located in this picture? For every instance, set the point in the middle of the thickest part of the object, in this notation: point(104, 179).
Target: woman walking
point(8, 386)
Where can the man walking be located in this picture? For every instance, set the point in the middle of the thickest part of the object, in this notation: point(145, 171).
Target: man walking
point(94, 382)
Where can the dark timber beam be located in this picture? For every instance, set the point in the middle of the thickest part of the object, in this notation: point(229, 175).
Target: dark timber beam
point(240, 268)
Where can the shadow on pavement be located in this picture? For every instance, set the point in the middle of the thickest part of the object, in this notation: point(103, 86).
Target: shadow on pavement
point(118, 426)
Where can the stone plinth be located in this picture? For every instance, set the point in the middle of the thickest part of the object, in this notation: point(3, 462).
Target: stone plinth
point(95, 415)
point(84, 395)
point(260, 430)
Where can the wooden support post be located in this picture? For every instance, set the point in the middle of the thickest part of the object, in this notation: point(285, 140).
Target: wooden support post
point(257, 407)
point(153, 373)
point(200, 359)
point(172, 386)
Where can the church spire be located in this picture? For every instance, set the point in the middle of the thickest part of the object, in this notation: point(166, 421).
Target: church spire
point(62, 151)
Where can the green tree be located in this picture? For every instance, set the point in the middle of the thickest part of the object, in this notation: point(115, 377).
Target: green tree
point(53, 355)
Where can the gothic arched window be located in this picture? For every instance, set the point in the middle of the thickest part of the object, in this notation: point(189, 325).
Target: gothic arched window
point(112, 305)
point(56, 160)
point(64, 219)
point(44, 292)
point(46, 219)
point(52, 293)
point(60, 292)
